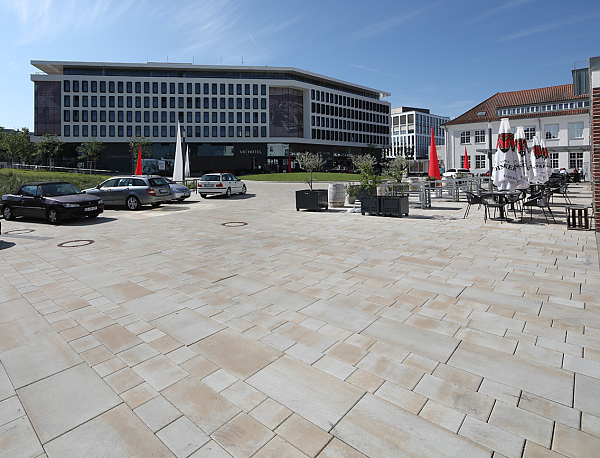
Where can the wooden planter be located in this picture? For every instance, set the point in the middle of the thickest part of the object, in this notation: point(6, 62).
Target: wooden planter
point(315, 199)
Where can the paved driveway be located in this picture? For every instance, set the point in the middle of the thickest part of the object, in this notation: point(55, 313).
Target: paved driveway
point(241, 327)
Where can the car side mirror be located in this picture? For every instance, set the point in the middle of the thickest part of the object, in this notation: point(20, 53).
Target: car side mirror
point(98, 187)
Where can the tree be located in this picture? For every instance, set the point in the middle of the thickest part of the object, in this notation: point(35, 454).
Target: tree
point(18, 147)
point(397, 169)
point(134, 147)
point(49, 146)
point(311, 162)
point(90, 151)
point(368, 178)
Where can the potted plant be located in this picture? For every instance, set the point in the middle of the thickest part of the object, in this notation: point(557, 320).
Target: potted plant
point(311, 199)
point(352, 191)
point(396, 202)
point(369, 180)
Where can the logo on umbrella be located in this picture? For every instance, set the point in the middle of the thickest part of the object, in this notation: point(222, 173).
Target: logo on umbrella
point(506, 141)
point(537, 150)
point(521, 146)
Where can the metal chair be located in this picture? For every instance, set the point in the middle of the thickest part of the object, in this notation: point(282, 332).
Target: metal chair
point(488, 202)
point(472, 199)
point(539, 200)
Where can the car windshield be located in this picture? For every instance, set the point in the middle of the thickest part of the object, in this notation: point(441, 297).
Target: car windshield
point(158, 181)
point(210, 178)
point(60, 189)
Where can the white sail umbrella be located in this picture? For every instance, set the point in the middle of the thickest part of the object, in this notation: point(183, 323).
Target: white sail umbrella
point(547, 171)
point(506, 173)
point(187, 161)
point(178, 166)
point(524, 159)
point(537, 160)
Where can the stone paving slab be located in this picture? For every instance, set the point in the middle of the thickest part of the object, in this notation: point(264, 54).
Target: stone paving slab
point(322, 334)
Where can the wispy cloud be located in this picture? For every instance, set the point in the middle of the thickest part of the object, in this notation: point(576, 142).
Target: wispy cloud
point(382, 73)
point(499, 9)
point(460, 103)
point(550, 26)
point(390, 23)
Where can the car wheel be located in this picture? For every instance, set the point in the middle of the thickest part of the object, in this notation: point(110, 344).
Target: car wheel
point(181, 200)
point(243, 189)
point(228, 192)
point(133, 203)
point(53, 216)
point(8, 213)
point(203, 196)
point(156, 205)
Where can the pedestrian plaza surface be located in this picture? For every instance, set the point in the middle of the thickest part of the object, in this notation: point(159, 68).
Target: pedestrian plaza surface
point(240, 327)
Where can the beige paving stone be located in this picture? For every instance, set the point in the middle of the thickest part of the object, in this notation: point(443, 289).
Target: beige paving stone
point(123, 380)
point(533, 450)
point(66, 400)
point(377, 428)
point(303, 353)
point(555, 345)
point(492, 437)
point(243, 436)
point(402, 397)
point(487, 340)
point(431, 324)
point(219, 380)
point(521, 373)
point(365, 380)
point(6, 387)
point(117, 338)
point(389, 351)
point(573, 443)
point(543, 355)
point(338, 449)
point(123, 292)
point(181, 355)
point(187, 326)
point(109, 366)
point(201, 404)
point(160, 372)
point(420, 362)
point(243, 395)
point(304, 435)
point(38, 359)
point(10, 409)
point(334, 367)
point(313, 339)
point(104, 436)
point(340, 315)
point(237, 353)
point(97, 355)
point(502, 300)
point(73, 333)
point(290, 299)
point(549, 409)
point(442, 415)
point(20, 332)
point(317, 396)
point(455, 396)
point(590, 424)
point(586, 394)
point(138, 395)
point(165, 344)
point(582, 366)
point(138, 354)
point(412, 338)
point(350, 354)
point(279, 448)
point(157, 413)
point(15, 309)
point(199, 367)
point(458, 377)
point(18, 440)
point(388, 369)
point(499, 391)
point(183, 437)
point(522, 423)
point(211, 450)
point(270, 413)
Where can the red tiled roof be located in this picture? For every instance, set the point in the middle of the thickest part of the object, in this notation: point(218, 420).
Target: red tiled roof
point(552, 94)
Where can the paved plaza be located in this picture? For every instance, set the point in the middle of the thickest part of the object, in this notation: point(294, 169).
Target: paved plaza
point(242, 328)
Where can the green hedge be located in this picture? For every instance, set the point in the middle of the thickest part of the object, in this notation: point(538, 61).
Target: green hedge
point(11, 179)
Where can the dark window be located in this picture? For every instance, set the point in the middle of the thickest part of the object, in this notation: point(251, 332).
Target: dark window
point(154, 102)
point(130, 116)
point(94, 131)
point(239, 103)
point(138, 87)
point(239, 118)
point(67, 131)
point(238, 88)
point(129, 87)
point(138, 102)
point(263, 89)
point(120, 87)
point(189, 117)
point(231, 131)
point(247, 117)
point(263, 131)
point(172, 102)
point(214, 117)
point(263, 104)
point(111, 101)
point(84, 116)
point(247, 103)
point(198, 117)
point(180, 88)
point(180, 117)
point(75, 100)
point(223, 130)
point(172, 88)
point(67, 101)
point(189, 131)
point(146, 87)
point(94, 114)
point(84, 131)
point(222, 117)
point(146, 116)
point(172, 131)
point(146, 131)
point(119, 101)
point(230, 89)
point(67, 86)
point(84, 86)
point(206, 91)
point(163, 131)
point(120, 116)
point(111, 116)
point(214, 131)
point(255, 103)
point(263, 117)
point(247, 131)
point(206, 117)
point(206, 102)
point(138, 131)
point(239, 131)
point(102, 116)
point(155, 116)
point(103, 131)
point(163, 116)
point(206, 131)
point(111, 131)
point(255, 117)
point(75, 86)
point(172, 116)
point(222, 89)
point(189, 88)
point(67, 116)
point(247, 90)
point(214, 103)
point(155, 88)
point(214, 88)
point(189, 102)
point(222, 103)
point(197, 86)
point(163, 88)
point(129, 101)
point(180, 102)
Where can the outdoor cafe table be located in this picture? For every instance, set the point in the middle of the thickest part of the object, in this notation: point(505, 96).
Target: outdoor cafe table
point(503, 198)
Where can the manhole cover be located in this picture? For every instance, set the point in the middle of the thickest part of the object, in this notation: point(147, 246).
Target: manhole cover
point(75, 243)
point(234, 224)
point(20, 231)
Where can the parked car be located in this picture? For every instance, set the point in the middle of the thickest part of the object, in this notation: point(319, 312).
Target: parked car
point(133, 191)
point(178, 191)
point(221, 184)
point(54, 201)
point(451, 173)
point(339, 169)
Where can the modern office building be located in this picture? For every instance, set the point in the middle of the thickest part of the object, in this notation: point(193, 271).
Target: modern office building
point(558, 114)
point(233, 118)
point(411, 133)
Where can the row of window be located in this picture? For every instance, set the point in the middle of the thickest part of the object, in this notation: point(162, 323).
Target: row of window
point(575, 160)
point(215, 102)
point(129, 116)
point(543, 108)
point(334, 135)
point(182, 88)
point(328, 97)
point(550, 133)
point(127, 131)
point(334, 123)
point(332, 110)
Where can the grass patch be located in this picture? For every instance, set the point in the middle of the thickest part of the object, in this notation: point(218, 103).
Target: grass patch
point(301, 176)
point(11, 179)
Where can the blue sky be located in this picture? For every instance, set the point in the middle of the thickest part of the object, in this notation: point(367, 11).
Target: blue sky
point(443, 55)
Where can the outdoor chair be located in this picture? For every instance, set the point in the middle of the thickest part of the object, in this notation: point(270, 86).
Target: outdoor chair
point(472, 199)
point(540, 200)
point(489, 202)
point(562, 190)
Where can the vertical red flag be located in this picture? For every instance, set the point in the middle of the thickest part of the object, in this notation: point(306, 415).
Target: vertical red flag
point(466, 166)
point(138, 168)
point(434, 166)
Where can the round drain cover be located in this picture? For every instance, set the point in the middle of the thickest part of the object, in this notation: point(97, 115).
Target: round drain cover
point(234, 224)
point(20, 231)
point(75, 243)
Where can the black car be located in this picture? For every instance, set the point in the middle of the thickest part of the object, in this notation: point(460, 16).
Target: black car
point(53, 201)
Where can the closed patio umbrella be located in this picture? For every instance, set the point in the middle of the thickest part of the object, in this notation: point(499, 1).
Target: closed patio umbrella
point(547, 171)
point(524, 159)
point(466, 165)
point(506, 173)
point(434, 166)
point(178, 166)
point(537, 162)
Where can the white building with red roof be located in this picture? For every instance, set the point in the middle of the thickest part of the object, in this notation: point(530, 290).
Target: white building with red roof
point(558, 114)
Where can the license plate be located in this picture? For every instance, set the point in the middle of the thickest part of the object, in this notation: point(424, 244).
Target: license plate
point(163, 191)
point(90, 209)
point(208, 185)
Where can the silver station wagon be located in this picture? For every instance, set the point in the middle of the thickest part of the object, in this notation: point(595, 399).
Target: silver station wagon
point(133, 191)
point(220, 184)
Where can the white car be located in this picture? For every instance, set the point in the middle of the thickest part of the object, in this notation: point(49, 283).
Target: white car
point(451, 173)
point(221, 184)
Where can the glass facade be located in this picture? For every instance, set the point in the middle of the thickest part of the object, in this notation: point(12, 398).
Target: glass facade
point(286, 112)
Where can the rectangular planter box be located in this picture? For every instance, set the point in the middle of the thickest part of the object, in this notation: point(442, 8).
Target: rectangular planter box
point(370, 205)
point(315, 199)
point(394, 206)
